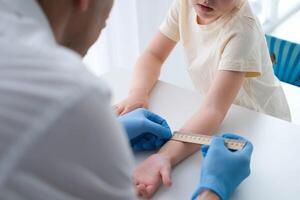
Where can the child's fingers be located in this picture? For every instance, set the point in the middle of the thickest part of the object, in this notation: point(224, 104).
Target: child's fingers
point(137, 192)
point(150, 189)
point(126, 110)
point(118, 109)
point(135, 181)
point(131, 107)
point(140, 187)
point(166, 176)
point(142, 190)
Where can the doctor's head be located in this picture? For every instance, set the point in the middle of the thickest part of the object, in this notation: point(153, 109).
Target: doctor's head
point(77, 23)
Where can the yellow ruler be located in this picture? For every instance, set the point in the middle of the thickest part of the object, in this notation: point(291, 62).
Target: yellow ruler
point(205, 139)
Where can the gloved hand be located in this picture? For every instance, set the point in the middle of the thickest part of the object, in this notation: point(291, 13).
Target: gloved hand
point(145, 130)
point(222, 169)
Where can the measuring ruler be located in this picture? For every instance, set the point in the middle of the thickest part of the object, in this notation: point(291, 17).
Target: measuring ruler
point(231, 144)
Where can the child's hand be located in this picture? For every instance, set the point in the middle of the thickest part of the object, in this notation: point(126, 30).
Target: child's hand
point(149, 174)
point(133, 101)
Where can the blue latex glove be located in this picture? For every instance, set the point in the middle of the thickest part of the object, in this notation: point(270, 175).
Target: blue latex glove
point(145, 130)
point(223, 170)
point(147, 141)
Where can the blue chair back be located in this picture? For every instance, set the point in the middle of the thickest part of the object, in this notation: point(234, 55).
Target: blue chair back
point(285, 56)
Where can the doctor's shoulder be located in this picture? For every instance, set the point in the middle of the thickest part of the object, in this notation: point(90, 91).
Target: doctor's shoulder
point(73, 75)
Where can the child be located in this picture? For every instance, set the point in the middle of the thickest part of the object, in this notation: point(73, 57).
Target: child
point(228, 62)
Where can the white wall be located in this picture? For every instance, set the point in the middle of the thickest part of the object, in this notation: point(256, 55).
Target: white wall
point(130, 27)
point(118, 45)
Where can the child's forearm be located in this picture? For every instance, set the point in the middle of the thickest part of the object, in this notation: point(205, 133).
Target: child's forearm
point(146, 73)
point(205, 121)
point(210, 115)
point(149, 64)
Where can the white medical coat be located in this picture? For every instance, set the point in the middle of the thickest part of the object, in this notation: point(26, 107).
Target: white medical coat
point(59, 139)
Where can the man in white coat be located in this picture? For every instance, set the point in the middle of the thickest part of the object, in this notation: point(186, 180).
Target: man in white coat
point(59, 139)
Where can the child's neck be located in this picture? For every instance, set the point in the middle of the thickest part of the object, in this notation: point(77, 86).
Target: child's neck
point(202, 21)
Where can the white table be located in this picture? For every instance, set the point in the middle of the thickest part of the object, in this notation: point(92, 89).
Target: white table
point(275, 162)
point(292, 94)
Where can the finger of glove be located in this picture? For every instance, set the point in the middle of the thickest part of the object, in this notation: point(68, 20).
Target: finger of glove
point(145, 141)
point(156, 118)
point(149, 141)
point(158, 130)
point(150, 137)
point(159, 142)
point(145, 144)
point(137, 139)
point(138, 142)
point(233, 136)
point(137, 147)
point(217, 144)
point(247, 150)
point(149, 145)
point(204, 149)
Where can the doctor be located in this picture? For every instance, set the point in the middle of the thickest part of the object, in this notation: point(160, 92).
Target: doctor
point(59, 138)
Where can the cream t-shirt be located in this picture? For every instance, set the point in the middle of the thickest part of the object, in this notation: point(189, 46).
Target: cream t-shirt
point(233, 42)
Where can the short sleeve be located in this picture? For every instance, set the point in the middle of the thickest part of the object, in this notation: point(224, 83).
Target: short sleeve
point(170, 25)
point(242, 52)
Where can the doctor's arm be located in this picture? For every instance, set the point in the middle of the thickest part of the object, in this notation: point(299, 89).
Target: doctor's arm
point(80, 156)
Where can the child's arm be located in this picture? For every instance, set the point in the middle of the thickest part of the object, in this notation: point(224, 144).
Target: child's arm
point(149, 174)
point(146, 73)
point(209, 116)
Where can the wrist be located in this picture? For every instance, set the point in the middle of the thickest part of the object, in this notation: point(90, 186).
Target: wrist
point(208, 195)
point(176, 151)
point(215, 184)
point(166, 156)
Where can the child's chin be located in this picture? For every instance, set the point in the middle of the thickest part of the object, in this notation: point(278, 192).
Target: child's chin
point(205, 17)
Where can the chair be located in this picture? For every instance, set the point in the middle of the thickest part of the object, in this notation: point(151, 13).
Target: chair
point(285, 56)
